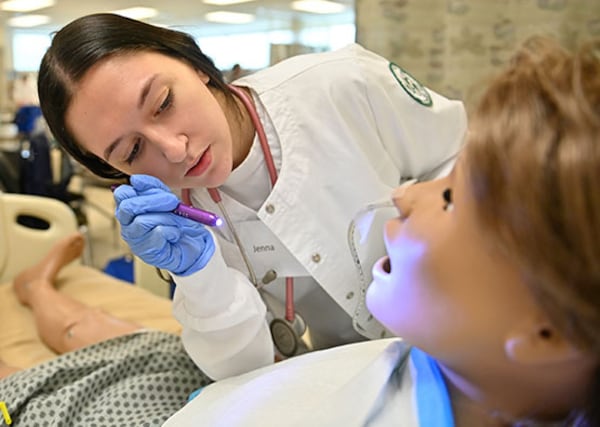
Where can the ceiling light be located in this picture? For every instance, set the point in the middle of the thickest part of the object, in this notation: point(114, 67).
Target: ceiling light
point(25, 5)
point(137, 12)
point(225, 2)
point(26, 21)
point(318, 6)
point(229, 17)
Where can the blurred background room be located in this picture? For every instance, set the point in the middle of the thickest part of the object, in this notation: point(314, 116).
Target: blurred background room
point(449, 45)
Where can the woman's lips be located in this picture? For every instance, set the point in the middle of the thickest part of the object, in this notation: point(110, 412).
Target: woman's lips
point(202, 165)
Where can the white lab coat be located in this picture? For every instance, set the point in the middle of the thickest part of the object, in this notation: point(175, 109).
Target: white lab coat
point(349, 133)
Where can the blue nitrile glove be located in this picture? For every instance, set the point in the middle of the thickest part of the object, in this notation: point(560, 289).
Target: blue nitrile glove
point(155, 234)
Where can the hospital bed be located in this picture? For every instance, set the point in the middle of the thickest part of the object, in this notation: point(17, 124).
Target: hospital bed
point(29, 226)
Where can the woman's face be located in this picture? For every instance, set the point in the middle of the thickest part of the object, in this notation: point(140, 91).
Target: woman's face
point(444, 287)
point(147, 113)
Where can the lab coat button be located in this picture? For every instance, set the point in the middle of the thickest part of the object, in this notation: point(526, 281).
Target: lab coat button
point(316, 258)
point(350, 295)
point(270, 208)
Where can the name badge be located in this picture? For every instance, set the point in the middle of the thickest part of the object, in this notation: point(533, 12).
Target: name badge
point(266, 252)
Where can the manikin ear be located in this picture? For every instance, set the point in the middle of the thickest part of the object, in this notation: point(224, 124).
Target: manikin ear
point(538, 342)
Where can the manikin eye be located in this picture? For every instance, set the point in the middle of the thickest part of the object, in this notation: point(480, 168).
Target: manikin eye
point(447, 196)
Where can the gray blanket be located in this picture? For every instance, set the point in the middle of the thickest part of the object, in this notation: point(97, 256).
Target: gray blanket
point(135, 380)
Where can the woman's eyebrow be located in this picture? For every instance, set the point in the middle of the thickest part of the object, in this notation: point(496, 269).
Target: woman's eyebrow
point(146, 90)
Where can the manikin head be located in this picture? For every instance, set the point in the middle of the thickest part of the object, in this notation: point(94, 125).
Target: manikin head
point(494, 270)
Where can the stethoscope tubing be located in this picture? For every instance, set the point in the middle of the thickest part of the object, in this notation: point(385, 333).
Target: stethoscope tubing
point(216, 198)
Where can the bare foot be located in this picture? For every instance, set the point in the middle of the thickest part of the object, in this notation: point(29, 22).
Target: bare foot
point(45, 271)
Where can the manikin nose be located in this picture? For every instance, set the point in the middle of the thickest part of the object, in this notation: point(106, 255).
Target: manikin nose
point(402, 198)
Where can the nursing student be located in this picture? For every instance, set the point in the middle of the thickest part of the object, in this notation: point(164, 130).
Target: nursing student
point(492, 276)
point(290, 157)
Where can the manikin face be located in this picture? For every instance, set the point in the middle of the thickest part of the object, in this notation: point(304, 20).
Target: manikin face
point(444, 287)
point(147, 113)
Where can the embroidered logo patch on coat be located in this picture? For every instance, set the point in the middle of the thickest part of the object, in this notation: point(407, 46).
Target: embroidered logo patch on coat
point(411, 85)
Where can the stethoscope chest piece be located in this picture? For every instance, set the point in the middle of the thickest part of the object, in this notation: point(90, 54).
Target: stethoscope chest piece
point(286, 335)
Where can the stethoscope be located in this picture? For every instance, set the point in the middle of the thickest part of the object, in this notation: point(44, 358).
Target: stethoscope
point(286, 332)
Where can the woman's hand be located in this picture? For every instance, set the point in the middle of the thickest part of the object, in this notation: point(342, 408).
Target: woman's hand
point(157, 235)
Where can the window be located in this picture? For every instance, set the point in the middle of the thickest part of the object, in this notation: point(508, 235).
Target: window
point(28, 49)
point(253, 50)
